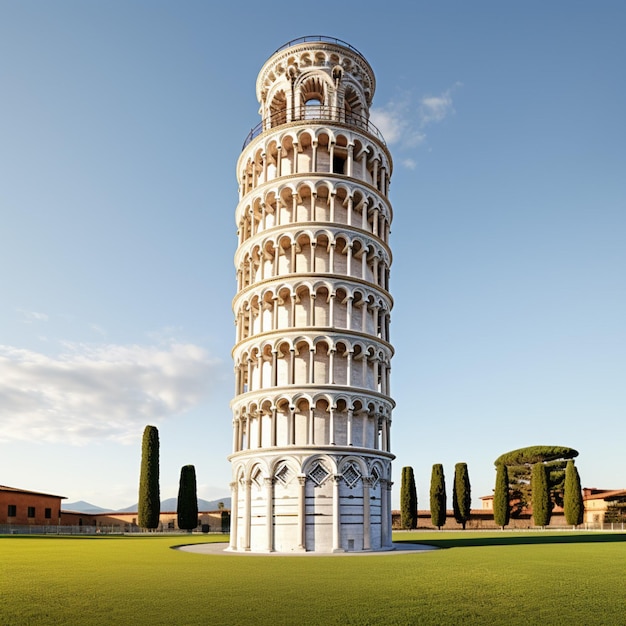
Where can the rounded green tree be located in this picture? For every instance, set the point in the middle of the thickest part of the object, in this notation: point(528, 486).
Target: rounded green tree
point(149, 508)
point(519, 465)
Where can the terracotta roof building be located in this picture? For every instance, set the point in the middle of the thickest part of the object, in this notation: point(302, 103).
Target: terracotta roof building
point(20, 506)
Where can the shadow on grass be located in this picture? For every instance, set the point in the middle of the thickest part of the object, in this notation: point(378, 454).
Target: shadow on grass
point(513, 540)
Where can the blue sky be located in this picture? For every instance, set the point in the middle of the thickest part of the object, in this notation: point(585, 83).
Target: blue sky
point(120, 126)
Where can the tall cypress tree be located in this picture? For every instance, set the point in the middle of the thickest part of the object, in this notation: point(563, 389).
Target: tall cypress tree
point(461, 494)
point(187, 505)
point(438, 496)
point(149, 496)
point(408, 500)
point(573, 506)
point(501, 505)
point(542, 508)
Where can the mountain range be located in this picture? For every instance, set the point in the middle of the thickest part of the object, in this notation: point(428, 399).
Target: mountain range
point(168, 505)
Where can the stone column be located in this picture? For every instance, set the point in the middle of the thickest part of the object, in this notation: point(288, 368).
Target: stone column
point(302, 513)
point(336, 514)
point(367, 529)
point(384, 513)
point(273, 427)
point(269, 517)
point(234, 511)
point(248, 516)
point(349, 427)
point(236, 435)
point(311, 430)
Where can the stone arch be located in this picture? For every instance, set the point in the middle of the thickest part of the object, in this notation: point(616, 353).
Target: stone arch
point(355, 107)
point(321, 359)
point(322, 303)
point(284, 461)
point(302, 360)
point(284, 242)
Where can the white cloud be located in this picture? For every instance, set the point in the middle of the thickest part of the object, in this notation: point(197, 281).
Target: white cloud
point(389, 122)
point(96, 392)
point(98, 329)
point(28, 317)
point(396, 122)
point(403, 121)
point(435, 109)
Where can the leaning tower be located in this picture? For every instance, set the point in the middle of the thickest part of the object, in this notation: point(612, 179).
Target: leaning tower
point(311, 456)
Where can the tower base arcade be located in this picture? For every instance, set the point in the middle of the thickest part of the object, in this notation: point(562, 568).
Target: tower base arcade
point(290, 500)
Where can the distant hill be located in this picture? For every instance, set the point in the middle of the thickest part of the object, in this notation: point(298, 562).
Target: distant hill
point(84, 507)
point(170, 505)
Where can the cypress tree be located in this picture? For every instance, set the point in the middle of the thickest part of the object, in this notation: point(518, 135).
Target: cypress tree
point(438, 496)
point(461, 494)
point(540, 495)
point(225, 521)
point(408, 500)
point(187, 505)
point(573, 498)
point(149, 497)
point(501, 505)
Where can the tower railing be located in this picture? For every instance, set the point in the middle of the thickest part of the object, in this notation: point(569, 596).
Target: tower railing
point(307, 38)
point(314, 113)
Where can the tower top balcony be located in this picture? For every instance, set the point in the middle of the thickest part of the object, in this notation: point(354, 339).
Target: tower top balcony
point(324, 38)
point(315, 78)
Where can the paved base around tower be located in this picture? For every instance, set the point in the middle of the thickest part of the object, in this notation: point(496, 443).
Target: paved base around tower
point(220, 548)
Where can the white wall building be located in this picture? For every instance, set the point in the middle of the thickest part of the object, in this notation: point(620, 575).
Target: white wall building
point(311, 453)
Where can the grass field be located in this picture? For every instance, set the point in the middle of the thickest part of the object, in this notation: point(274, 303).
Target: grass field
point(476, 578)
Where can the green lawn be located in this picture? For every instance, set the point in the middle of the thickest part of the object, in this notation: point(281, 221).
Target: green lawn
point(476, 578)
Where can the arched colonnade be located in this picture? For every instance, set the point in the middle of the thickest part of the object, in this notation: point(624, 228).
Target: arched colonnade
point(317, 200)
point(319, 420)
point(312, 304)
point(313, 252)
point(315, 149)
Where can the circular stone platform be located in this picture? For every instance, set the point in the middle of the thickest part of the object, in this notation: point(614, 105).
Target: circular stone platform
point(220, 548)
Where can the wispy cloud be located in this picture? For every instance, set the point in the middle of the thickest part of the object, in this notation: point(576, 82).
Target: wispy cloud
point(396, 121)
point(434, 109)
point(28, 317)
point(96, 392)
point(404, 121)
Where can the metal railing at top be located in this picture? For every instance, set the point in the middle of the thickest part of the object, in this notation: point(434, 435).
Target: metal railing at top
point(314, 113)
point(339, 42)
